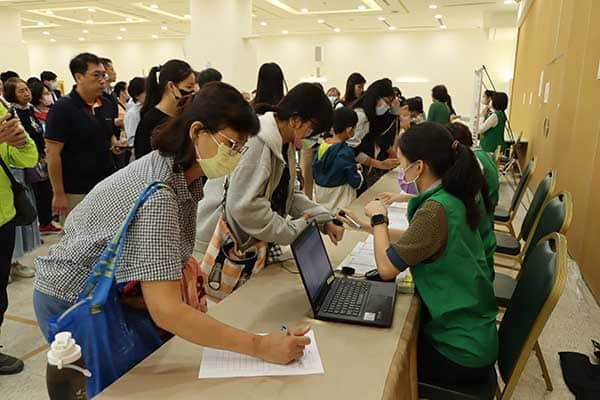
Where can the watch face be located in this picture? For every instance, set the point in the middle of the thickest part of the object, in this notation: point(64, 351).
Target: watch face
point(378, 219)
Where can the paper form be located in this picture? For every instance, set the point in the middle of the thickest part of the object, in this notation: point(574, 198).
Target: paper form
point(397, 214)
point(227, 364)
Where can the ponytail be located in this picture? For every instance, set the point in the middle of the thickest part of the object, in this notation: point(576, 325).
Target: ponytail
point(153, 93)
point(172, 71)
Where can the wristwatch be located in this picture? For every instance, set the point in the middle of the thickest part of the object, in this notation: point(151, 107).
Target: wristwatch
point(379, 219)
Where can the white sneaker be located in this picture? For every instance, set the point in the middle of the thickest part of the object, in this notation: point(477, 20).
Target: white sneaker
point(22, 271)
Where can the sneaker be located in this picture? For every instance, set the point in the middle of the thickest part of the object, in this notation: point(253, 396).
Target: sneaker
point(22, 271)
point(49, 229)
point(10, 365)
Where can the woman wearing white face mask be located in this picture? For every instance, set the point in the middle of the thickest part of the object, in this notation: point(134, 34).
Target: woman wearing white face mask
point(262, 195)
point(212, 128)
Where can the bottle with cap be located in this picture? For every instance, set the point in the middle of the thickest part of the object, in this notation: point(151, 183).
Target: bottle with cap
point(66, 373)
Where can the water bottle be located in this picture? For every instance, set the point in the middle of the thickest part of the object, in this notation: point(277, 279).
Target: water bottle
point(66, 373)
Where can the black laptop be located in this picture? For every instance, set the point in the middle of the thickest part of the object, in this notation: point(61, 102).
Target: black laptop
point(340, 299)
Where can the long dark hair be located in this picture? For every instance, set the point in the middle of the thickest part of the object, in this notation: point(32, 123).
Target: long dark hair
point(454, 162)
point(217, 106)
point(305, 101)
point(172, 71)
point(375, 91)
point(354, 79)
point(37, 91)
point(270, 84)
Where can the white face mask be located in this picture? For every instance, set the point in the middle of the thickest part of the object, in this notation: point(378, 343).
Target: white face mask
point(54, 85)
point(332, 99)
point(382, 109)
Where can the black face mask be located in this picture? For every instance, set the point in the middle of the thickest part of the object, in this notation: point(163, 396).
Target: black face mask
point(184, 92)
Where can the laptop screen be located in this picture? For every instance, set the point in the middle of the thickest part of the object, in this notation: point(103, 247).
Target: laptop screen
point(312, 261)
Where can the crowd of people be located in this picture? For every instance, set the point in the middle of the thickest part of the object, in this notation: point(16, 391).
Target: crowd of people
point(268, 164)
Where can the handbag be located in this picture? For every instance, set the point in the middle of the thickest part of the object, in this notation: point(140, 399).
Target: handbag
point(113, 337)
point(39, 173)
point(26, 211)
point(225, 267)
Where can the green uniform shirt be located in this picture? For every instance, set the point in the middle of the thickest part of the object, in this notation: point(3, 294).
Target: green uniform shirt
point(486, 227)
point(438, 112)
point(459, 317)
point(494, 137)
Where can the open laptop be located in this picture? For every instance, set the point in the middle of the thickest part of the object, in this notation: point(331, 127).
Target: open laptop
point(340, 299)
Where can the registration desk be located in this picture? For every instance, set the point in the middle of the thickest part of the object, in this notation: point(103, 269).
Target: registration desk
point(359, 362)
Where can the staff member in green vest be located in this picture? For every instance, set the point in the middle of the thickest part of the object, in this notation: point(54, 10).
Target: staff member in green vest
point(462, 133)
point(438, 110)
point(491, 133)
point(458, 340)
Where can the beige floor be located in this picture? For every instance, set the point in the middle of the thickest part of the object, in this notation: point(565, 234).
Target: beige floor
point(575, 320)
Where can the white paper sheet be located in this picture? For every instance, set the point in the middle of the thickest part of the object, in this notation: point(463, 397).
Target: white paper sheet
point(362, 257)
point(397, 214)
point(226, 364)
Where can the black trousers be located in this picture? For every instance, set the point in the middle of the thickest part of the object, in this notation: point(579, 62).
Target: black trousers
point(7, 246)
point(43, 201)
point(433, 367)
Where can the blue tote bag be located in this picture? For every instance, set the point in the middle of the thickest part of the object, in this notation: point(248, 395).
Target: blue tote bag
point(113, 337)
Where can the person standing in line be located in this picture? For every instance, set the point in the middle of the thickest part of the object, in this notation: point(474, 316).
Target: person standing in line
point(208, 75)
point(355, 87)
point(50, 80)
point(137, 94)
point(491, 133)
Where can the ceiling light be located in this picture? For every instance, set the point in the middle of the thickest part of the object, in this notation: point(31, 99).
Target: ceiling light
point(119, 37)
point(23, 41)
point(443, 27)
point(362, 7)
point(91, 9)
point(381, 18)
point(285, 32)
point(321, 21)
point(509, 2)
point(82, 39)
point(45, 33)
point(53, 40)
point(392, 28)
point(123, 29)
point(187, 16)
point(304, 10)
point(337, 30)
point(49, 12)
point(155, 36)
point(89, 21)
point(155, 6)
point(164, 28)
point(253, 15)
point(129, 19)
point(40, 23)
point(263, 23)
point(433, 6)
point(85, 31)
point(438, 16)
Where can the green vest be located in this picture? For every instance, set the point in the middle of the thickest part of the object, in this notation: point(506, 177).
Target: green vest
point(439, 112)
point(486, 226)
point(459, 317)
point(495, 137)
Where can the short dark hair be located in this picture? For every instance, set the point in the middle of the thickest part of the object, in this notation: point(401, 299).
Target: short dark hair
point(105, 61)
point(37, 90)
point(461, 132)
point(48, 76)
point(500, 101)
point(10, 89)
point(209, 75)
point(217, 106)
point(136, 87)
point(440, 93)
point(33, 79)
point(343, 118)
point(415, 104)
point(305, 101)
point(119, 87)
point(6, 75)
point(79, 64)
point(489, 93)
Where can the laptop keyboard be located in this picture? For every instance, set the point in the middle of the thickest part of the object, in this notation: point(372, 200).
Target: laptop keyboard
point(347, 298)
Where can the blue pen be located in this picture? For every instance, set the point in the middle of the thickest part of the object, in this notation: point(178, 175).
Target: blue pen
point(283, 329)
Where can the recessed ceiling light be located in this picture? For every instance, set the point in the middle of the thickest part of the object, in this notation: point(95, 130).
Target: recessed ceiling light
point(89, 21)
point(304, 10)
point(381, 18)
point(155, 6)
point(53, 40)
point(443, 27)
point(433, 6)
point(187, 16)
point(91, 9)
point(119, 37)
point(123, 29)
point(509, 2)
point(46, 33)
point(85, 31)
point(392, 28)
point(362, 7)
point(337, 30)
point(82, 39)
point(164, 28)
point(129, 19)
point(49, 12)
point(154, 36)
point(23, 41)
point(438, 16)
point(263, 23)
point(40, 23)
point(321, 21)
point(285, 32)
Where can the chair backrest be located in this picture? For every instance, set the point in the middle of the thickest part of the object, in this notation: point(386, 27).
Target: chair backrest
point(543, 191)
point(520, 190)
point(556, 216)
point(542, 281)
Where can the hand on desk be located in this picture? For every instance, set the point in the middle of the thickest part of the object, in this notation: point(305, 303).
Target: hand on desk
point(335, 232)
point(388, 197)
point(280, 348)
point(375, 207)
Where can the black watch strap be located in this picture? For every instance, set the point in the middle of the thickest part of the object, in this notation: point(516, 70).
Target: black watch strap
point(379, 219)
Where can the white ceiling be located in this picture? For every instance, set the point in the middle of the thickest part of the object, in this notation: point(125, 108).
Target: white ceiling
point(67, 20)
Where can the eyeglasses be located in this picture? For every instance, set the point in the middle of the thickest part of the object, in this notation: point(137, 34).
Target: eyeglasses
point(235, 146)
point(99, 76)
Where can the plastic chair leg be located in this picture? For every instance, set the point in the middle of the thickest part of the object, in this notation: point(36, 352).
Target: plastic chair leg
point(540, 357)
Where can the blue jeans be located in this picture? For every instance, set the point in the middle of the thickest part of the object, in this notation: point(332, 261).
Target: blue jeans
point(46, 307)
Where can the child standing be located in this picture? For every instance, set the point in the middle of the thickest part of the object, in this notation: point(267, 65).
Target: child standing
point(335, 171)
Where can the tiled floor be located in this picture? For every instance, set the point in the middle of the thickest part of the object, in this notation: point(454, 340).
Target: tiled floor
point(575, 320)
